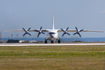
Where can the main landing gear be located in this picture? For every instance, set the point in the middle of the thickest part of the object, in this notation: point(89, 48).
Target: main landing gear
point(59, 41)
point(53, 41)
point(45, 41)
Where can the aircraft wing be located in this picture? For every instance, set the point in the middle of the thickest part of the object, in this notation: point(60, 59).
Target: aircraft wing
point(23, 31)
point(13, 31)
point(73, 30)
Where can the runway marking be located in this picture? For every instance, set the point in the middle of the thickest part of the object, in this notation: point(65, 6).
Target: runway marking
point(26, 44)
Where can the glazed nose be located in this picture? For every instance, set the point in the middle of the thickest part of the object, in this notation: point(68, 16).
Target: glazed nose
point(51, 36)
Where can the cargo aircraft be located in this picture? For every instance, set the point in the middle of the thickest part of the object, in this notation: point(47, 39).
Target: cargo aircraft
point(52, 34)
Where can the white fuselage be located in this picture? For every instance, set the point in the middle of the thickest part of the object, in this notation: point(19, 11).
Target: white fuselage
point(52, 35)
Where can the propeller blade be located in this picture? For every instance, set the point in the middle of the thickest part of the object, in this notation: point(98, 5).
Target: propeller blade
point(36, 30)
point(79, 35)
point(24, 34)
point(62, 34)
point(76, 29)
point(81, 30)
point(41, 28)
point(68, 33)
point(78, 32)
point(29, 34)
point(24, 30)
point(67, 28)
point(74, 33)
point(65, 32)
point(42, 32)
point(39, 31)
point(38, 34)
point(29, 29)
point(62, 30)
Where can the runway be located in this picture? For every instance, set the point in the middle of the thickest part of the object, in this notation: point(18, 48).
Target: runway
point(36, 44)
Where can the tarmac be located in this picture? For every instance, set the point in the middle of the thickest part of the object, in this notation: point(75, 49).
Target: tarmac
point(49, 44)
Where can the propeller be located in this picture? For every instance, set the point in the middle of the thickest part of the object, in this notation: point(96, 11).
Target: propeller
point(26, 31)
point(39, 31)
point(65, 32)
point(78, 32)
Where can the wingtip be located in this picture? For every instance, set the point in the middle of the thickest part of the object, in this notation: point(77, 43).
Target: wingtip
point(102, 31)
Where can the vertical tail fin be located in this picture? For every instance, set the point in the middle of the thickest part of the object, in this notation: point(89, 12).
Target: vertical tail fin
point(53, 22)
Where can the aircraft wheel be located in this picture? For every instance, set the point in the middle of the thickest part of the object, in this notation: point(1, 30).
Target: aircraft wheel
point(45, 41)
point(59, 41)
point(52, 41)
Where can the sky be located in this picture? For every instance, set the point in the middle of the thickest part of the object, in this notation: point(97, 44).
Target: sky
point(83, 14)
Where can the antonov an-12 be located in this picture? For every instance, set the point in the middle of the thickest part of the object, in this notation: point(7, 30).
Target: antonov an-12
point(52, 34)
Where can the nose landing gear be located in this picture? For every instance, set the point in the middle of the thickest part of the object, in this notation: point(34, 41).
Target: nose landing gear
point(52, 41)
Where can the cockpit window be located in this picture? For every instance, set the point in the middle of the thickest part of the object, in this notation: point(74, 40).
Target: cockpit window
point(51, 33)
